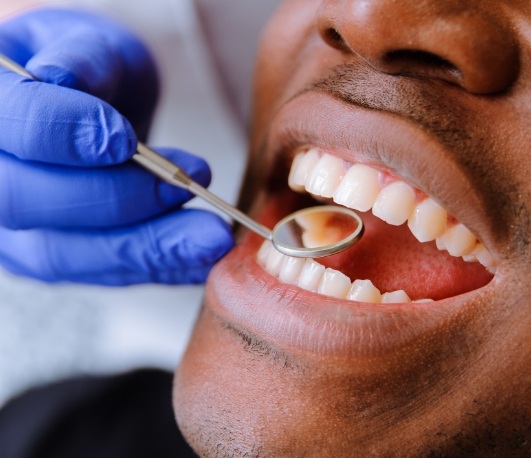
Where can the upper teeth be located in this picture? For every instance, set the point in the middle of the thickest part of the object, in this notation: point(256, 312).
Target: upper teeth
point(362, 188)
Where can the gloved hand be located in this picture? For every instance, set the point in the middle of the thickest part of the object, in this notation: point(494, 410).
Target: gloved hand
point(71, 207)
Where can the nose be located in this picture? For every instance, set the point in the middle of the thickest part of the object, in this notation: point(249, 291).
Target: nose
point(458, 41)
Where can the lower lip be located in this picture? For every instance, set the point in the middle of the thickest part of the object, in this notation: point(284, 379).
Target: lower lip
point(292, 320)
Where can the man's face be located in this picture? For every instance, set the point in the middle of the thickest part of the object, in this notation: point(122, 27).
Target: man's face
point(419, 113)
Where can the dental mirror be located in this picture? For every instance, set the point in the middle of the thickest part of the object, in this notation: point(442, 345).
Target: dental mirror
point(315, 232)
point(309, 233)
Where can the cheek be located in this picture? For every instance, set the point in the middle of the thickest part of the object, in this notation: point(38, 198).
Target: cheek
point(281, 49)
point(231, 401)
point(226, 397)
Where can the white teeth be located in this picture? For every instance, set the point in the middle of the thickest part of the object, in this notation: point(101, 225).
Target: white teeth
point(458, 240)
point(480, 254)
point(395, 203)
point(428, 220)
point(290, 269)
point(301, 168)
point(311, 276)
point(334, 284)
point(359, 188)
point(263, 252)
point(296, 176)
point(274, 261)
point(325, 176)
point(395, 297)
point(484, 257)
point(364, 291)
point(440, 243)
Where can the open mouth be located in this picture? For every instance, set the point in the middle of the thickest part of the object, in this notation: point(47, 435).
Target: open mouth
point(413, 250)
point(427, 234)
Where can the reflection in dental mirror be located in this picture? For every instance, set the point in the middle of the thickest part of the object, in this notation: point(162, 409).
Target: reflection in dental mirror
point(317, 231)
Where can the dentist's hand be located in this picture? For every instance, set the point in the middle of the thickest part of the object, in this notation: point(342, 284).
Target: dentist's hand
point(71, 206)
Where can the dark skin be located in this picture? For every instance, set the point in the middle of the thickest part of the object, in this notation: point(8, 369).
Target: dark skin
point(437, 93)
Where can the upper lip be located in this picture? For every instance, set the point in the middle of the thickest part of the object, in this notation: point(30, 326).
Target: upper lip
point(385, 141)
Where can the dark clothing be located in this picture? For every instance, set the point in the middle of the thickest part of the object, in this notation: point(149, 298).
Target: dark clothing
point(128, 416)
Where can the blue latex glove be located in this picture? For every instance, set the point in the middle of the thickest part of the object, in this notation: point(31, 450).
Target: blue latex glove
point(71, 208)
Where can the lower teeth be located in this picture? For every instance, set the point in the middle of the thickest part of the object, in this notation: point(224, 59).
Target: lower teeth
point(311, 276)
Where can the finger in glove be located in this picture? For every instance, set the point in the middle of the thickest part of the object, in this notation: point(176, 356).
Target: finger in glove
point(35, 195)
point(178, 248)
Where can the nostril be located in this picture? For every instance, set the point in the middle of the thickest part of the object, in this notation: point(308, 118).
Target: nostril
point(416, 62)
point(423, 58)
point(334, 39)
point(469, 46)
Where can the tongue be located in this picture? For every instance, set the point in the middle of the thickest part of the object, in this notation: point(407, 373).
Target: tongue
point(393, 259)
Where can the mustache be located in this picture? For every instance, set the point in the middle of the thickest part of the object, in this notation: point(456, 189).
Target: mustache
point(426, 104)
